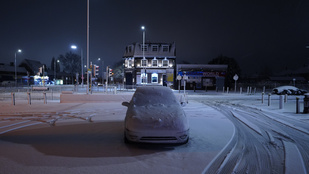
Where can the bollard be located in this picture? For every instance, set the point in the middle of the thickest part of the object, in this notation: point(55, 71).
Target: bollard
point(306, 103)
point(240, 90)
point(44, 95)
point(13, 98)
point(297, 105)
point(223, 89)
point(115, 90)
point(281, 102)
point(29, 98)
point(248, 90)
point(227, 89)
point(269, 99)
point(285, 98)
point(262, 97)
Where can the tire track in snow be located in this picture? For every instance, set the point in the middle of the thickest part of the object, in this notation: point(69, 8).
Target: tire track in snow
point(260, 144)
point(11, 122)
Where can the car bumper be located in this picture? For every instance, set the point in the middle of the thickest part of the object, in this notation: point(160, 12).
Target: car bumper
point(174, 137)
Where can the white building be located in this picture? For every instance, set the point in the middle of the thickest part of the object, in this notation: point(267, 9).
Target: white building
point(156, 68)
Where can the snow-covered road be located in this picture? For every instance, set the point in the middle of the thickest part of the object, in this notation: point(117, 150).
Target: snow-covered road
point(264, 141)
point(229, 134)
point(58, 138)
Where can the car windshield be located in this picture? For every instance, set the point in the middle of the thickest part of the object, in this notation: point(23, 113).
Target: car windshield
point(152, 96)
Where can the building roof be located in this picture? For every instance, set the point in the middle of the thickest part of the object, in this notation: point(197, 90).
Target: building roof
point(159, 50)
point(287, 78)
point(9, 69)
point(31, 65)
point(194, 67)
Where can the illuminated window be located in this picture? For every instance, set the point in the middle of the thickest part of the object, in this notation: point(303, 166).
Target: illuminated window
point(154, 78)
point(154, 62)
point(144, 78)
point(144, 62)
point(130, 64)
point(165, 62)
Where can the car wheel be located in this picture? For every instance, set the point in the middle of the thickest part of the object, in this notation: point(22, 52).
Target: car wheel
point(126, 141)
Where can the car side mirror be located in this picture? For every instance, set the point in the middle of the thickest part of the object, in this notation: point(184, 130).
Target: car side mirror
point(125, 104)
point(183, 104)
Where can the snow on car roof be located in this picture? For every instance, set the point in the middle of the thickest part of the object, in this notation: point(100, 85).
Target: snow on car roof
point(286, 87)
point(153, 95)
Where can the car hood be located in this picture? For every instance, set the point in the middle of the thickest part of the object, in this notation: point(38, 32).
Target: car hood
point(156, 117)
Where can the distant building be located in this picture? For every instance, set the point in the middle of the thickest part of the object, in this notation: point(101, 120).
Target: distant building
point(156, 68)
point(32, 66)
point(7, 74)
point(202, 76)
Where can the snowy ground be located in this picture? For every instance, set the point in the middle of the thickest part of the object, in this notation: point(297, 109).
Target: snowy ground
point(229, 133)
point(58, 138)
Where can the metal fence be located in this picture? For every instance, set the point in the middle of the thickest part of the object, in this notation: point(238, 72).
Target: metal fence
point(53, 92)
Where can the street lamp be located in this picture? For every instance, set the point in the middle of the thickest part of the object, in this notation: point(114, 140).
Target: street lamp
point(81, 62)
point(102, 63)
point(144, 59)
point(88, 46)
point(18, 51)
point(55, 68)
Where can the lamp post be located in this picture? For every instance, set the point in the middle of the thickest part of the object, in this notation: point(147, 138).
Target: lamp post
point(102, 63)
point(18, 51)
point(81, 63)
point(87, 46)
point(55, 70)
point(144, 59)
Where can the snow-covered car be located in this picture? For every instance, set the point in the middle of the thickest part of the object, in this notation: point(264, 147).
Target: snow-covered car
point(290, 90)
point(154, 115)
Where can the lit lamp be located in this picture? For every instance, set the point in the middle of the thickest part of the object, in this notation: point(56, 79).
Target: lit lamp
point(55, 68)
point(81, 62)
point(18, 51)
point(102, 62)
point(144, 59)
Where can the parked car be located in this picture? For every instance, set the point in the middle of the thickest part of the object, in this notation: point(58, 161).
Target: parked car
point(290, 90)
point(7, 83)
point(154, 115)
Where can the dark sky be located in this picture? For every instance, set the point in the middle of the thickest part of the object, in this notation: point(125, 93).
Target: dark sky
point(256, 33)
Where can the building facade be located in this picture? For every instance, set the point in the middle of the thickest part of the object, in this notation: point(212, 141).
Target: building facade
point(201, 76)
point(149, 64)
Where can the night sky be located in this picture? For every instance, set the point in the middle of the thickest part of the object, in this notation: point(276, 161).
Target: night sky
point(256, 33)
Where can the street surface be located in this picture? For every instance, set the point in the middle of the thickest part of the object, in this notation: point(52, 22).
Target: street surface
point(263, 142)
point(229, 134)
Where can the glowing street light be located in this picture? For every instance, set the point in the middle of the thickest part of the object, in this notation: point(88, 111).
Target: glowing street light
point(81, 62)
point(144, 78)
point(143, 49)
point(18, 51)
point(102, 63)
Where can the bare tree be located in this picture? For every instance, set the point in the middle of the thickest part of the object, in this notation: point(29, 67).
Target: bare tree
point(71, 63)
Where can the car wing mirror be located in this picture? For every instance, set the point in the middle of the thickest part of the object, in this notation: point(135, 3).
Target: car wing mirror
point(182, 101)
point(125, 104)
point(183, 104)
